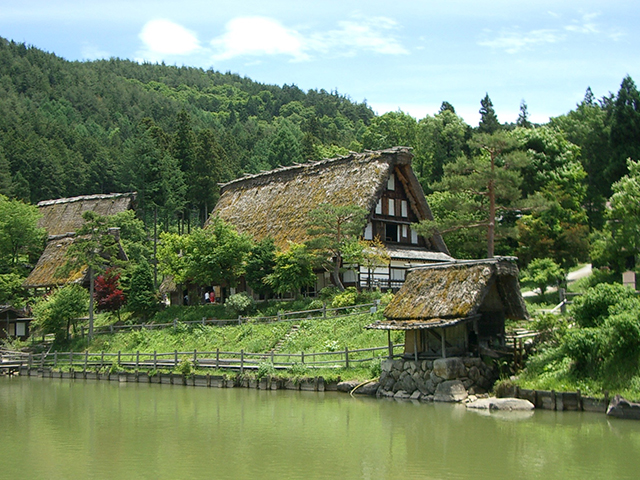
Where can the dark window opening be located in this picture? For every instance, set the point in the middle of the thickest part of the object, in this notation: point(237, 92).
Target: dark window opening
point(391, 233)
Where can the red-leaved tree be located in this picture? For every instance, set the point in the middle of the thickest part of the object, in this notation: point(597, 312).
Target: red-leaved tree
point(108, 295)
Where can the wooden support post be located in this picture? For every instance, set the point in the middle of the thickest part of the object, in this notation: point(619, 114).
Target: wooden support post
point(302, 357)
point(390, 344)
point(55, 359)
point(241, 362)
point(155, 360)
point(324, 309)
point(118, 357)
point(346, 357)
point(175, 359)
point(102, 359)
point(217, 358)
point(195, 357)
point(30, 360)
point(137, 358)
point(86, 359)
point(272, 355)
point(70, 359)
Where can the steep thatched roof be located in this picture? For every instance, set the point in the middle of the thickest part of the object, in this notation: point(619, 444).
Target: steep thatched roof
point(61, 218)
point(277, 203)
point(64, 215)
point(46, 272)
point(445, 294)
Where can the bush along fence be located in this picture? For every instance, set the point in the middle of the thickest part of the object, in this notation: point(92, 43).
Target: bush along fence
point(324, 312)
point(237, 361)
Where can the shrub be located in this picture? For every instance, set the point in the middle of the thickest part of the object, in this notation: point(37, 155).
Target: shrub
point(542, 272)
point(239, 303)
point(592, 308)
point(265, 369)
point(60, 310)
point(344, 299)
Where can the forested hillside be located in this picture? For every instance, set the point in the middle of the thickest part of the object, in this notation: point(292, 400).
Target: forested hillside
point(170, 133)
point(173, 133)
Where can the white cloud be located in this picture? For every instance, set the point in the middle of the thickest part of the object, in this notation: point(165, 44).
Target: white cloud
point(168, 38)
point(586, 25)
point(265, 36)
point(258, 36)
point(91, 52)
point(362, 34)
point(514, 41)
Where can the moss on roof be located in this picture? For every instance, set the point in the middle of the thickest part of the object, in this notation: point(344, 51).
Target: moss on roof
point(456, 290)
point(277, 203)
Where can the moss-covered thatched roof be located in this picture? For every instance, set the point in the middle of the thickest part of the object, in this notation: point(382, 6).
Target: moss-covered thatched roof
point(276, 204)
point(47, 271)
point(445, 294)
point(61, 218)
point(64, 215)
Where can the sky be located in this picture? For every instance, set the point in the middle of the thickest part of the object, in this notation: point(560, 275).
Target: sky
point(393, 54)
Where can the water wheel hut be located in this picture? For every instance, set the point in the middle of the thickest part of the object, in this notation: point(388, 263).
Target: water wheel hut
point(277, 204)
point(456, 308)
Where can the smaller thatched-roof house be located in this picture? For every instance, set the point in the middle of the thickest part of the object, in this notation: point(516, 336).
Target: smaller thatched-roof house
point(455, 308)
point(61, 218)
point(13, 322)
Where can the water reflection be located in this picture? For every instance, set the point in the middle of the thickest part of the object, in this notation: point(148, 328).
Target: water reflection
point(76, 429)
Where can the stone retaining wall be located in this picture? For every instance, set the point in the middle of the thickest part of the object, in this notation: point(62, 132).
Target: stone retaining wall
point(443, 379)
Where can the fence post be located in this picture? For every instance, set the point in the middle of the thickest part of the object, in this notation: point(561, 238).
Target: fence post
point(203, 319)
point(279, 317)
point(70, 359)
point(346, 357)
point(155, 360)
point(302, 357)
point(272, 357)
point(86, 359)
point(390, 344)
point(195, 357)
point(324, 309)
point(563, 300)
point(55, 358)
point(30, 359)
point(102, 359)
point(111, 329)
point(137, 358)
point(81, 331)
point(241, 362)
point(175, 322)
point(175, 358)
point(118, 357)
point(240, 320)
point(217, 358)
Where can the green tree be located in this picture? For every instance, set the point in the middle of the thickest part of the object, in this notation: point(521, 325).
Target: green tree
point(625, 130)
point(488, 119)
point(439, 140)
point(94, 248)
point(621, 238)
point(490, 181)
point(213, 255)
point(142, 296)
point(390, 130)
point(60, 310)
point(20, 236)
point(335, 229)
point(523, 116)
point(292, 271)
point(260, 263)
point(543, 272)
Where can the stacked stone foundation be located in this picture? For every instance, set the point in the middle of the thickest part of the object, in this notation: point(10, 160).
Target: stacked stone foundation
point(442, 379)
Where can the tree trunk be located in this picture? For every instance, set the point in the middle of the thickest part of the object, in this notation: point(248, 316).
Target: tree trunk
point(91, 289)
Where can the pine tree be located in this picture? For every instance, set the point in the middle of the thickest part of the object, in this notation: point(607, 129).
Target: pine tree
point(523, 116)
point(488, 118)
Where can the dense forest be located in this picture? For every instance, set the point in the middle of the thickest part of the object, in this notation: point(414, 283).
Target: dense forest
point(174, 133)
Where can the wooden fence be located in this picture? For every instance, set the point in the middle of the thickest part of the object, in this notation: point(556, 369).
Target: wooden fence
point(323, 312)
point(213, 359)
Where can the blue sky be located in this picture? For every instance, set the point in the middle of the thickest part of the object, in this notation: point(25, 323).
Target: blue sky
point(408, 55)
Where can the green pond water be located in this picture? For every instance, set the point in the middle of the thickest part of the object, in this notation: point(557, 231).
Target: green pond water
point(62, 429)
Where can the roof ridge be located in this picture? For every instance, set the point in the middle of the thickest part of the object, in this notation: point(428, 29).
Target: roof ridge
point(97, 196)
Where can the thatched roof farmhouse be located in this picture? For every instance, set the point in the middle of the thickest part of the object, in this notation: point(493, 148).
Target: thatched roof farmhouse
point(456, 307)
point(61, 218)
point(277, 203)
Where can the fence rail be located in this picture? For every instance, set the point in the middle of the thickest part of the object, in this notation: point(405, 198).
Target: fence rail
point(209, 359)
point(280, 317)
